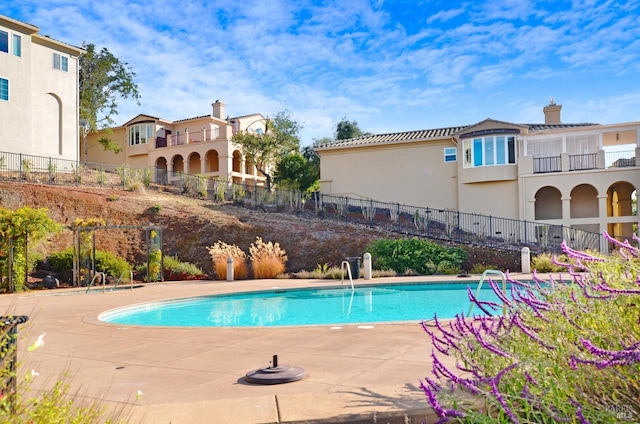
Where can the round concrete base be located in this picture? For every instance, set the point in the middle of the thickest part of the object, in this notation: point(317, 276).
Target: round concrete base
point(275, 375)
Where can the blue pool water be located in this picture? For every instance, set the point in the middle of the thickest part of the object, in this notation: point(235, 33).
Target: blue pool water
point(314, 306)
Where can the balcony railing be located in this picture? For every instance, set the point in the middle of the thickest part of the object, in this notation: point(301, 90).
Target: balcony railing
point(188, 138)
point(547, 164)
point(621, 159)
point(584, 161)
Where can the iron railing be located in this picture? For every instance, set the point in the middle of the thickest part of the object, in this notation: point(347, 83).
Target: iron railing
point(443, 224)
point(620, 159)
point(583, 161)
point(547, 164)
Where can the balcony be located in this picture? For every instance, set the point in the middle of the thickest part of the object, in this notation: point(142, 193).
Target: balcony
point(582, 162)
point(188, 138)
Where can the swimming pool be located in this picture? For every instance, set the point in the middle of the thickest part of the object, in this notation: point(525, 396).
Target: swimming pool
point(311, 306)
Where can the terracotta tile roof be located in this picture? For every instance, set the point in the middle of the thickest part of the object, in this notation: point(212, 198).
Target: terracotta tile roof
point(435, 134)
point(547, 127)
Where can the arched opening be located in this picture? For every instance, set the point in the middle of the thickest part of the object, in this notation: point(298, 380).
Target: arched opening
point(178, 164)
point(237, 161)
point(213, 161)
point(161, 171)
point(622, 202)
point(194, 164)
point(548, 204)
point(584, 201)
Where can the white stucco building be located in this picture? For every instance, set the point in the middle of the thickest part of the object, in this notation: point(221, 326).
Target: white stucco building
point(38, 92)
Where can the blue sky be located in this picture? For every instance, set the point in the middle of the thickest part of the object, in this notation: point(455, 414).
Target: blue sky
point(391, 66)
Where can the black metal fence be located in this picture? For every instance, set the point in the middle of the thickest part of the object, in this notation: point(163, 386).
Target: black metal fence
point(456, 226)
point(442, 224)
point(8, 355)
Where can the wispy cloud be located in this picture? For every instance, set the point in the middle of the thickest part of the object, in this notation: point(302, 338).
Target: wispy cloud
point(389, 65)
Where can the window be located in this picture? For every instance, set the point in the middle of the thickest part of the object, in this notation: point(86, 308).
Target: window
point(140, 134)
point(4, 41)
point(61, 62)
point(4, 89)
point(489, 151)
point(17, 45)
point(450, 154)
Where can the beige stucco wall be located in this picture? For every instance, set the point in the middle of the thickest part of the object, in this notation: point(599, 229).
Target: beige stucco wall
point(96, 152)
point(41, 116)
point(497, 198)
point(411, 174)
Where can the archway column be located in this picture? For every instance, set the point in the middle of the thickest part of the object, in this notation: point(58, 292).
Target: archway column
point(566, 210)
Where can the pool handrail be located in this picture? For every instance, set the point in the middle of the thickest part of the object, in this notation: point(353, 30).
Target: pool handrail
point(120, 279)
point(96, 275)
point(504, 288)
point(342, 266)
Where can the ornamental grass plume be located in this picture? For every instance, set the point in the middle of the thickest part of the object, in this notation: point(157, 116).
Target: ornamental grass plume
point(220, 252)
point(267, 259)
point(563, 352)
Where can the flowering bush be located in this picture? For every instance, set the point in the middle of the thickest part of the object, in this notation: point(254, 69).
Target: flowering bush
point(267, 259)
point(220, 252)
point(563, 352)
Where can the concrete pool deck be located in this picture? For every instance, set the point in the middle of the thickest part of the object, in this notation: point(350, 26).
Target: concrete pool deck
point(356, 374)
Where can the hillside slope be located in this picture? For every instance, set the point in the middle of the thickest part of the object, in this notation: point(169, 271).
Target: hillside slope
point(189, 225)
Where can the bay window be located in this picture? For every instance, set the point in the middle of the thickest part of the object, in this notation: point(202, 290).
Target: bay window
point(489, 151)
point(141, 134)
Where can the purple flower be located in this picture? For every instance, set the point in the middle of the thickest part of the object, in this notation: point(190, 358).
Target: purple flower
point(440, 410)
point(496, 393)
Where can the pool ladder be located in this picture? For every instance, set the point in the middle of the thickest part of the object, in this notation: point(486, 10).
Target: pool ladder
point(342, 267)
point(504, 288)
point(103, 278)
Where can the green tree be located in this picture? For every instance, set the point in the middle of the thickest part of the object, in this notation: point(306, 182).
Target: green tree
point(103, 80)
point(295, 172)
point(266, 149)
point(17, 228)
point(347, 129)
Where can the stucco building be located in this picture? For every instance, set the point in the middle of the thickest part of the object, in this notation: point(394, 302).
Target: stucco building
point(583, 176)
point(199, 146)
point(38, 92)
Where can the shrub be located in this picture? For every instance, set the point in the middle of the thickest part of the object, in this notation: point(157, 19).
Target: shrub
point(220, 252)
point(480, 268)
point(545, 262)
point(447, 267)
point(561, 353)
point(177, 270)
point(106, 262)
point(420, 256)
point(267, 259)
point(111, 264)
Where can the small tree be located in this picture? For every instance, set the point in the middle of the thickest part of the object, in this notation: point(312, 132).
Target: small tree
point(346, 129)
point(103, 79)
point(295, 172)
point(266, 149)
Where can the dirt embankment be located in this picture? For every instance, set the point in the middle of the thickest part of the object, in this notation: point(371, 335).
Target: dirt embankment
point(189, 225)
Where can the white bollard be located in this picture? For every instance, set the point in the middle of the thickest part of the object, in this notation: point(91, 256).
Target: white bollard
point(229, 269)
point(367, 266)
point(525, 260)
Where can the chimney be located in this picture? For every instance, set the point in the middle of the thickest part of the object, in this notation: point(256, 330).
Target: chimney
point(552, 113)
point(218, 109)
